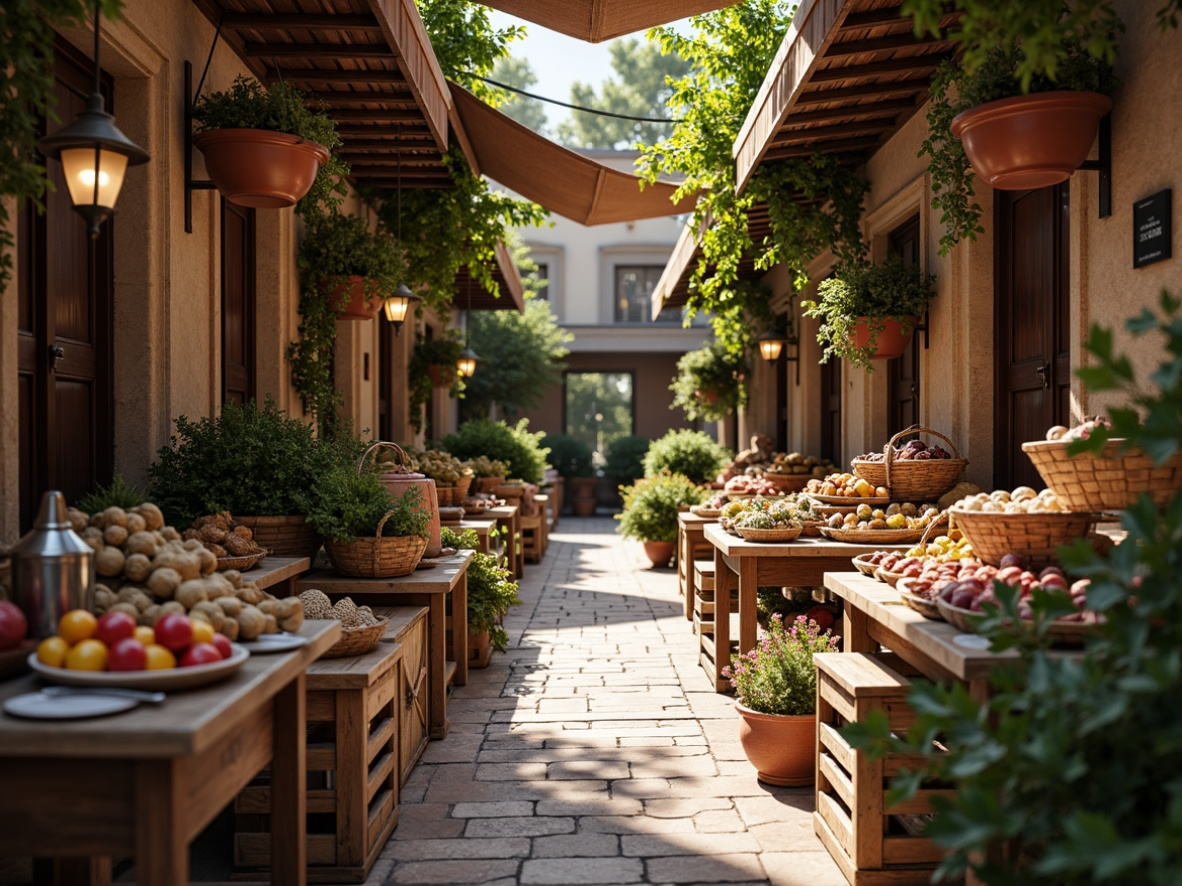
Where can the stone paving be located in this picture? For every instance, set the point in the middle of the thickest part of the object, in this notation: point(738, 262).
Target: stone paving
point(594, 751)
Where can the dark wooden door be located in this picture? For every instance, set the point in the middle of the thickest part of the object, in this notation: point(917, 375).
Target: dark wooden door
point(903, 372)
point(238, 303)
point(1032, 326)
point(64, 340)
point(387, 348)
point(782, 367)
point(831, 411)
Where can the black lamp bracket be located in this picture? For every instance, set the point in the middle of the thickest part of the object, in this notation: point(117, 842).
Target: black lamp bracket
point(1103, 165)
point(923, 327)
point(192, 184)
point(793, 342)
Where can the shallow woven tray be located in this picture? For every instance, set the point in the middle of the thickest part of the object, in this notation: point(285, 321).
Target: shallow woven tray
point(770, 535)
point(747, 496)
point(843, 501)
point(788, 482)
point(863, 565)
point(356, 640)
point(888, 577)
point(1112, 482)
point(872, 536)
point(909, 479)
point(1035, 536)
point(964, 620)
point(1062, 633)
point(240, 563)
point(812, 528)
point(925, 607)
point(705, 512)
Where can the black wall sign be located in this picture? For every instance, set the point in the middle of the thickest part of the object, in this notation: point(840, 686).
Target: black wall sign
point(1152, 229)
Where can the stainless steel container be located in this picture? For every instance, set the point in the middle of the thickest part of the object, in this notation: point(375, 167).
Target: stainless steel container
point(52, 568)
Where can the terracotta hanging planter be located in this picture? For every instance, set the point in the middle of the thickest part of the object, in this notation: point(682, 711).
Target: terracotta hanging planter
point(260, 168)
point(1031, 141)
point(892, 340)
point(442, 376)
point(659, 553)
point(782, 748)
point(349, 299)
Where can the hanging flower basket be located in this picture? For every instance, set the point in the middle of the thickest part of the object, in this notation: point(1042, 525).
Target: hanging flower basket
point(892, 340)
point(348, 297)
point(260, 168)
point(442, 375)
point(1031, 141)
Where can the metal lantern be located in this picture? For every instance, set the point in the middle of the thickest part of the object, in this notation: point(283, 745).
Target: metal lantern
point(466, 365)
point(399, 305)
point(771, 345)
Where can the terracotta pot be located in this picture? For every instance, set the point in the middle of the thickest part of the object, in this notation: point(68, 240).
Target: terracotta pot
point(583, 507)
point(1031, 141)
point(892, 341)
point(397, 484)
point(259, 168)
point(489, 485)
point(583, 487)
point(479, 649)
point(659, 553)
point(441, 376)
point(348, 297)
point(782, 748)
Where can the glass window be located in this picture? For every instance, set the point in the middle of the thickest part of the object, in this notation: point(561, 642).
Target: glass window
point(542, 280)
point(599, 408)
point(633, 295)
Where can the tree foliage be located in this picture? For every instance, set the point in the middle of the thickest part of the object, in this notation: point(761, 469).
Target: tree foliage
point(526, 111)
point(467, 44)
point(641, 87)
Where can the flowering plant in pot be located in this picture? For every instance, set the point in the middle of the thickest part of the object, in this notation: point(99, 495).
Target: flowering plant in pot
point(267, 149)
point(776, 696)
point(869, 312)
point(650, 512)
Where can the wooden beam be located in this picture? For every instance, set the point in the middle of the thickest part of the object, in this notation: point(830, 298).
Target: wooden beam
point(317, 75)
point(866, 90)
point(369, 171)
point(380, 116)
point(370, 158)
point(414, 133)
point(848, 112)
point(883, 44)
point(390, 144)
point(800, 136)
point(316, 50)
point(237, 21)
point(873, 69)
point(878, 18)
point(853, 145)
point(344, 97)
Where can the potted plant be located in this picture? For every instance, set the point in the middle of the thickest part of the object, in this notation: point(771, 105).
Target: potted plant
point(258, 463)
point(352, 266)
point(266, 148)
point(491, 591)
point(369, 533)
point(869, 312)
point(1014, 134)
point(625, 458)
point(521, 451)
point(488, 473)
point(709, 382)
point(572, 458)
point(776, 696)
point(650, 512)
point(690, 453)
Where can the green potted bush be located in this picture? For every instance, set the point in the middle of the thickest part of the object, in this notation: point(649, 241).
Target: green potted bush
point(625, 458)
point(650, 512)
point(266, 148)
point(355, 268)
point(491, 591)
point(690, 453)
point(776, 696)
point(710, 383)
point(521, 451)
point(869, 312)
point(433, 364)
point(258, 463)
point(572, 458)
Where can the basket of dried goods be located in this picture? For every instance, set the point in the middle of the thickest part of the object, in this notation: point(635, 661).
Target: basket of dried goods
point(1035, 524)
point(228, 540)
point(1112, 480)
point(846, 489)
point(769, 535)
point(376, 556)
point(360, 628)
point(914, 471)
point(894, 524)
point(920, 595)
point(791, 472)
point(864, 564)
point(745, 486)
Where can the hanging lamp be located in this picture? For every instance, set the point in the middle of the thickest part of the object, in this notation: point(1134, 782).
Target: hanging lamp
point(466, 365)
point(94, 153)
point(771, 345)
point(399, 304)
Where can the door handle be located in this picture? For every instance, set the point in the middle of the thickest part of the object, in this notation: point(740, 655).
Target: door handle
point(56, 355)
point(1044, 372)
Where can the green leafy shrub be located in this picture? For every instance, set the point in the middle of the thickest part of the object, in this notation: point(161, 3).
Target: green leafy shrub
point(491, 589)
point(709, 383)
point(878, 292)
point(570, 456)
point(625, 458)
point(651, 505)
point(521, 451)
point(445, 351)
point(690, 453)
point(119, 494)
point(248, 460)
point(778, 675)
point(351, 505)
point(1072, 764)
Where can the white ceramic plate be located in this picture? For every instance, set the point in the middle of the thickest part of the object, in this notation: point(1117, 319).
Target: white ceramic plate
point(39, 706)
point(270, 643)
point(176, 678)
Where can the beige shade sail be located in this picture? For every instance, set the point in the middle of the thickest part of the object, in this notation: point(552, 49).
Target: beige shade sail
point(597, 20)
point(555, 177)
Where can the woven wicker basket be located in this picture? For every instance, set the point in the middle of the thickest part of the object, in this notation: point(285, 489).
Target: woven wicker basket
point(863, 565)
point(462, 487)
point(872, 536)
point(788, 482)
point(964, 620)
point(1034, 536)
point(448, 496)
point(283, 536)
point(376, 557)
point(925, 607)
point(357, 640)
point(240, 563)
point(908, 479)
point(760, 536)
point(1109, 482)
point(488, 485)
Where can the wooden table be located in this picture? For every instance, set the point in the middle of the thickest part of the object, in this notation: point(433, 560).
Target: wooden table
point(801, 563)
point(146, 782)
point(690, 528)
point(508, 518)
point(277, 575)
point(875, 614)
point(425, 587)
point(483, 529)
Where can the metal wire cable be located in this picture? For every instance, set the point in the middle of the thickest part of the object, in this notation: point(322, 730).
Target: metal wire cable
point(585, 110)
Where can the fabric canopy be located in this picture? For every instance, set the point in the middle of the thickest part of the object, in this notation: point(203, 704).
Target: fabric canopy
point(596, 20)
point(559, 179)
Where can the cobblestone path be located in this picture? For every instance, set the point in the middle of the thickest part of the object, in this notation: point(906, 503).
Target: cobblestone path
point(595, 752)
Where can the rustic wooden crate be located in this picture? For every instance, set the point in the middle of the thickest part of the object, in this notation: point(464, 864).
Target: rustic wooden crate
point(533, 536)
point(358, 754)
point(872, 843)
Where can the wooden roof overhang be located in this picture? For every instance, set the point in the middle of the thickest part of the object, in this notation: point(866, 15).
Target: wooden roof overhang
point(848, 74)
point(471, 295)
point(369, 61)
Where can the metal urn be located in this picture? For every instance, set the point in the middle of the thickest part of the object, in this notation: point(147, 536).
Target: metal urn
point(52, 568)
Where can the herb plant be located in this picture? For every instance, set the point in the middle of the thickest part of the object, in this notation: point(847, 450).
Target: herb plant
point(1073, 763)
point(690, 453)
point(891, 290)
point(119, 494)
point(351, 505)
point(709, 383)
point(520, 450)
point(570, 456)
point(651, 505)
point(778, 675)
point(491, 589)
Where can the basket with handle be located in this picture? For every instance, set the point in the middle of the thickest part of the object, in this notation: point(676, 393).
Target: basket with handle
point(398, 477)
point(357, 639)
point(916, 480)
point(375, 556)
point(1111, 481)
point(1035, 535)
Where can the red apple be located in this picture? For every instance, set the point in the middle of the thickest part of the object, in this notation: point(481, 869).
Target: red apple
point(13, 625)
point(113, 627)
point(199, 654)
point(222, 642)
point(127, 654)
point(174, 631)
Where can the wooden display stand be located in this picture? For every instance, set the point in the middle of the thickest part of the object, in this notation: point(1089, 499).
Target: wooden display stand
point(873, 845)
point(355, 713)
point(533, 536)
point(703, 571)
